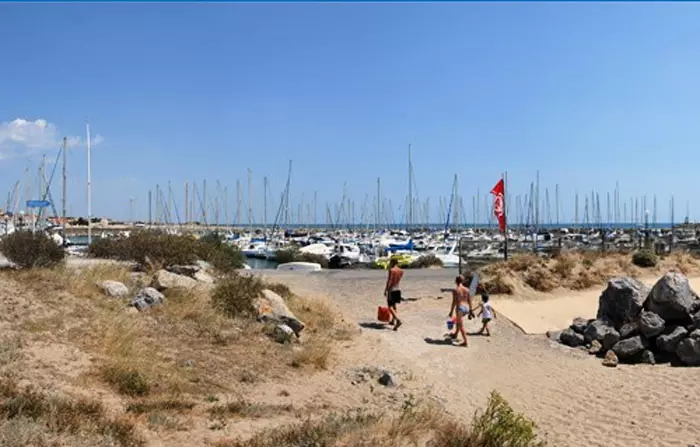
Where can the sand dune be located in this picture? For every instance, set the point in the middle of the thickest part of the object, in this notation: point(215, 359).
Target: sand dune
point(574, 400)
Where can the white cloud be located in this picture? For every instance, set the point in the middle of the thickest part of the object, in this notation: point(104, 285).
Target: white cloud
point(21, 137)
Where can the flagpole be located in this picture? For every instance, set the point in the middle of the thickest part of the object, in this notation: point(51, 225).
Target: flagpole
point(505, 217)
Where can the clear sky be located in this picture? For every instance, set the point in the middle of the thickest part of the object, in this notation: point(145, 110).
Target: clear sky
point(588, 94)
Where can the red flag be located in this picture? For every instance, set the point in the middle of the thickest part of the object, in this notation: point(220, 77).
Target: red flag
point(499, 205)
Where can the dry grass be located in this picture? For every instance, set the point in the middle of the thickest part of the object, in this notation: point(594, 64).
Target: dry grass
point(315, 353)
point(148, 406)
point(245, 409)
point(79, 282)
point(45, 419)
point(573, 270)
point(497, 426)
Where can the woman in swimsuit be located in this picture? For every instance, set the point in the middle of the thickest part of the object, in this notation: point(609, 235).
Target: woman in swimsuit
point(462, 303)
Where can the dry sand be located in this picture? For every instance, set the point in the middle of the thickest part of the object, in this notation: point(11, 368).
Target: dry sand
point(537, 313)
point(574, 399)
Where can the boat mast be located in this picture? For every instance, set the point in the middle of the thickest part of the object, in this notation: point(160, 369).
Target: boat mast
point(64, 188)
point(410, 191)
point(89, 185)
point(250, 199)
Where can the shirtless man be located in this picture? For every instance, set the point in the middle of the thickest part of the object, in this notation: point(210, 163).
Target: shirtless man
point(462, 303)
point(392, 291)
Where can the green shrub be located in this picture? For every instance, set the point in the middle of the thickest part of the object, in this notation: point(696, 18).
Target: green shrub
point(30, 250)
point(425, 261)
point(235, 294)
point(286, 255)
point(223, 257)
point(644, 258)
point(280, 289)
point(499, 425)
point(109, 248)
point(159, 249)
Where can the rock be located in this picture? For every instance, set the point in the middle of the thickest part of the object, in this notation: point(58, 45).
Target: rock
point(647, 357)
point(610, 359)
point(695, 334)
point(629, 330)
point(622, 301)
point(131, 310)
point(672, 299)
point(610, 339)
point(271, 307)
point(204, 265)
point(164, 280)
point(571, 338)
point(113, 289)
point(204, 277)
point(628, 350)
point(597, 330)
point(695, 321)
point(689, 351)
point(595, 348)
point(579, 325)
point(185, 270)
point(283, 333)
point(189, 363)
point(146, 298)
point(668, 342)
point(387, 379)
point(650, 324)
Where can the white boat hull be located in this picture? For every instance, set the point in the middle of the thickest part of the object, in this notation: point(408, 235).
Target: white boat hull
point(300, 266)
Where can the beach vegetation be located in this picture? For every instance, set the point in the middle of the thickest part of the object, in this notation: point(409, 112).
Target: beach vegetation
point(426, 261)
point(27, 249)
point(644, 258)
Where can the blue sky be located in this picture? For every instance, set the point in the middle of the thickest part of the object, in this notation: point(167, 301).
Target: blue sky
point(589, 94)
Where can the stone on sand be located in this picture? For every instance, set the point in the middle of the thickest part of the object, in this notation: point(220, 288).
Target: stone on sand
point(610, 359)
point(668, 341)
point(651, 324)
point(689, 351)
point(146, 298)
point(629, 349)
point(571, 338)
point(622, 301)
point(113, 289)
point(164, 280)
point(271, 307)
point(672, 298)
point(597, 330)
point(579, 325)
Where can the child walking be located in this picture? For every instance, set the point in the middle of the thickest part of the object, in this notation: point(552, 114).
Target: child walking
point(486, 313)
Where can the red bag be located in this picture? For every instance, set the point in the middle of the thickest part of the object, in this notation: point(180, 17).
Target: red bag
point(383, 314)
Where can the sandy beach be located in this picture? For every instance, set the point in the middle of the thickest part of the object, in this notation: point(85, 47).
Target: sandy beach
point(573, 399)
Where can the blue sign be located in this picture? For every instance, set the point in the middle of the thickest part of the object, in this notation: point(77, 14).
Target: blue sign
point(38, 203)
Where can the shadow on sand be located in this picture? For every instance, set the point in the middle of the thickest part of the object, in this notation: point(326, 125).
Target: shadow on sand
point(439, 341)
point(376, 326)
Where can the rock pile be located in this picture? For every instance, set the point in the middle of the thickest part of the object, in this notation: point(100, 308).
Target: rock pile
point(638, 325)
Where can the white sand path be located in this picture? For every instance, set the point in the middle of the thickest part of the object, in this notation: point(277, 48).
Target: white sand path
point(574, 399)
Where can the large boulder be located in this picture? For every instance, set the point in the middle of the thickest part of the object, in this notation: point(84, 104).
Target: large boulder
point(695, 321)
point(146, 298)
point(571, 338)
point(689, 351)
point(668, 341)
point(647, 357)
point(271, 307)
point(672, 298)
point(203, 277)
point(597, 330)
point(622, 301)
point(579, 325)
point(113, 289)
point(630, 349)
point(650, 324)
point(164, 280)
